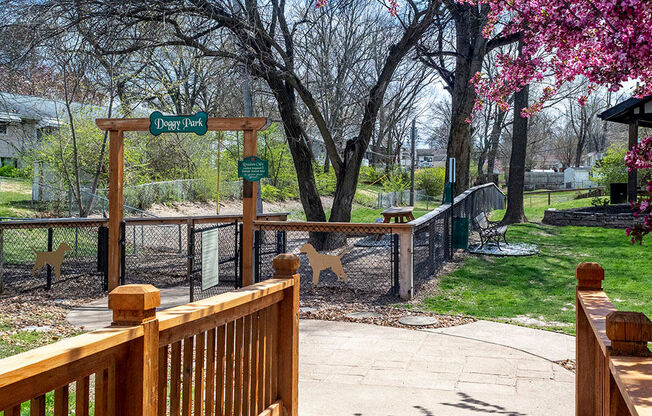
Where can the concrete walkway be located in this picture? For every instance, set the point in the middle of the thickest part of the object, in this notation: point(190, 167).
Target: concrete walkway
point(354, 369)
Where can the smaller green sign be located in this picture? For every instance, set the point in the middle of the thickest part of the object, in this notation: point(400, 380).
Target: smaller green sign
point(159, 123)
point(252, 168)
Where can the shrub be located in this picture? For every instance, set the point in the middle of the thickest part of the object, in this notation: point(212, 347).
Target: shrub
point(396, 181)
point(431, 180)
point(8, 171)
point(369, 174)
point(325, 181)
point(271, 193)
point(611, 168)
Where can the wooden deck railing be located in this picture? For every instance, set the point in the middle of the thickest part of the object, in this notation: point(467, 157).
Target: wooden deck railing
point(233, 354)
point(614, 365)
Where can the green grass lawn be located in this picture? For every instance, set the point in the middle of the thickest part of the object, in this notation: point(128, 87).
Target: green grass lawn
point(540, 290)
point(15, 198)
point(359, 214)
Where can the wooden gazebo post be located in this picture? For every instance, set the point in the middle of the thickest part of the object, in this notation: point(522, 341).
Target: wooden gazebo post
point(116, 170)
point(116, 129)
point(635, 112)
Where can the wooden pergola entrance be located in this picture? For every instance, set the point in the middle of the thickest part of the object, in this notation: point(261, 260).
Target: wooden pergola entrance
point(116, 129)
point(635, 112)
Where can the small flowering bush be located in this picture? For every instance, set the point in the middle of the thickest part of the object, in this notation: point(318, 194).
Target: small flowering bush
point(640, 157)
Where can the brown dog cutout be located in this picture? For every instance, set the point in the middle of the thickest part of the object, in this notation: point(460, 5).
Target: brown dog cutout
point(320, 262)
point(53, 258)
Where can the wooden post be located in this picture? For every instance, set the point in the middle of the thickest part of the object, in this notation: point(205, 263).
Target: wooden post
point(116, 153)
point(587, 373)
point(405, 259)
point(632, 178)
point(285, 267)
point(629, 333)
point(248, 211)
point(137, 373)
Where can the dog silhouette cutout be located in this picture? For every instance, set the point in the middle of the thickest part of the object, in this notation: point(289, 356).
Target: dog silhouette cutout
point(53, 258)
point(320, 262)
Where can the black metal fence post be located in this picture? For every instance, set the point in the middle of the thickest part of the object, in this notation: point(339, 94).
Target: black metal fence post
point(190, 257)
point(123, 252)
point(239, 260)
point(48, 285)
point(256, 256)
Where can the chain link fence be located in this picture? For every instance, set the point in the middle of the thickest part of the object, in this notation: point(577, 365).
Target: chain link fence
point(163, 252)
point(359, 257)
point(432, 238)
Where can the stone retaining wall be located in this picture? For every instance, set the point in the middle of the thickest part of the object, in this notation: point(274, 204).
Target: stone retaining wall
point(587, 217)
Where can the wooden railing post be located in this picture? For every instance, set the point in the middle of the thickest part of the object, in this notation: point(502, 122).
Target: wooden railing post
point(629, 333)
point(588, 385)
point(137, 373)
point(285, 267)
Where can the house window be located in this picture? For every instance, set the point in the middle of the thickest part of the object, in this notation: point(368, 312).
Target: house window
point(3, 128)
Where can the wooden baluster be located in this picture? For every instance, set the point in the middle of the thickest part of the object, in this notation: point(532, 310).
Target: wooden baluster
point(230, 358)
point(285, 267)
point(219, 388)
point(589, 358)
point(255, 363)
point(262, 354)
point(175, 379)
point(137, 371)
point(239, 350)
point(269, 399)
point(274, 333)
point(101, 392)
point(186, 395)
point(199, 374)
point(162, 380)
point(82, 396)
point(37, 406)
point(210, 373)
point(61, 401)
point(14, 411)
point(246, 372)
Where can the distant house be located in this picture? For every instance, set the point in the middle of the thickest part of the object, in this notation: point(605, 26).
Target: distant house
point(430, 158)
point(23, 120)
point(591, 158)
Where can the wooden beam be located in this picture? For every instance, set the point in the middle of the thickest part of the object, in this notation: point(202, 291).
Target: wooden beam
point(116, 165)
point(632, 178)
point(213, 124)
point(249, 213)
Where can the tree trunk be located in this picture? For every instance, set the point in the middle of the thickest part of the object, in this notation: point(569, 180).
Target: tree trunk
point(301, 154)
point(515, 212)
point(494, 140)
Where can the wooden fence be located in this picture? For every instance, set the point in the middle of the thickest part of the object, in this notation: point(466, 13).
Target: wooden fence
point(614, 365)
point(233, 354)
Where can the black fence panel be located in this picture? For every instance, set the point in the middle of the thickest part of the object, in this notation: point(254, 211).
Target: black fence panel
point(355, 258)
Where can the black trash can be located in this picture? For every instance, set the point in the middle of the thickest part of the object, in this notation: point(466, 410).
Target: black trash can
point(461, 233)
point(617, 193)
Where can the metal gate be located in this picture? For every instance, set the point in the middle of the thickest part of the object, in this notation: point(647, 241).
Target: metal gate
point(229, 260)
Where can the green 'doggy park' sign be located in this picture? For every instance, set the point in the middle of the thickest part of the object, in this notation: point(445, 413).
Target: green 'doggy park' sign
point(159, 123)
point(252, 168)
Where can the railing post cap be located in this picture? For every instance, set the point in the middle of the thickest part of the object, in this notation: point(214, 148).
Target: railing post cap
point(286, 264)
point(629, 326)
point(589, 275)
point(134, 304)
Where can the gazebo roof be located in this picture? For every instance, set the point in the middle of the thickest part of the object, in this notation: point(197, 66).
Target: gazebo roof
point(629, 110)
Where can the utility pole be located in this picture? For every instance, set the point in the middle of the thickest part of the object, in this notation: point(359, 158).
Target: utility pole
point(413, 138)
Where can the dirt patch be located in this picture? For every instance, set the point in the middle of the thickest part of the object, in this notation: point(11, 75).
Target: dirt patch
point(227, 207)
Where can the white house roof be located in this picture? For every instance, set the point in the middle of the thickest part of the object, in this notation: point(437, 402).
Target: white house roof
point(46, 112)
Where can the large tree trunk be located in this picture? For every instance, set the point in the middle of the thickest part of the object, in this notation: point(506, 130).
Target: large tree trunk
point(494, 140)
point(515, 212)
point(301, 154)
